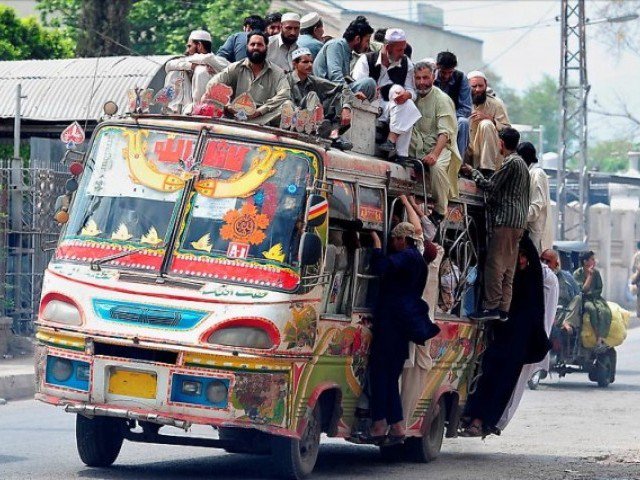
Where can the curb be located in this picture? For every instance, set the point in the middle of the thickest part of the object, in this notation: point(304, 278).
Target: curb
point(18, 387)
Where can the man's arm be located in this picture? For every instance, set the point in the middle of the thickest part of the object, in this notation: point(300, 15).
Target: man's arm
point(495, 181)
point(226, 50)
point(464, 99)
point(178, 64)
point(538, 197)
point(225, 76)
point(283, 93)
point(334, 63)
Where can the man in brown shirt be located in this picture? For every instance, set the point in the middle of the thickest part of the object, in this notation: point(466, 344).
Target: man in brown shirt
point(489, 116)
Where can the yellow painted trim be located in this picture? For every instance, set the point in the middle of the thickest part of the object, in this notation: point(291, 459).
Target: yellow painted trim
point(229, 362)
point(62, 340)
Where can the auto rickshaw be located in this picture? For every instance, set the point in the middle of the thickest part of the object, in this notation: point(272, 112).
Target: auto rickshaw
point(568, 354)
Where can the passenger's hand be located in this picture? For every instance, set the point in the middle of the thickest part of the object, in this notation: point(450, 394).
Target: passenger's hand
point(376, 239)
point(429, 159)
point(403, 199)
point(360, 96)
point(479, 116)
point(345, 116)
point(402, 97)
point(229, 110)
point(466, 169)
point(255, 114)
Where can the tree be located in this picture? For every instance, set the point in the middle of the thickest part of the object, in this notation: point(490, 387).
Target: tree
point(162, 27)
point(623, 35)
point(610, 155)
point(103, 28)
point(23, 39)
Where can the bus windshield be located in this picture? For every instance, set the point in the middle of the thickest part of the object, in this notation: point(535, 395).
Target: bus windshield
point(243, 214)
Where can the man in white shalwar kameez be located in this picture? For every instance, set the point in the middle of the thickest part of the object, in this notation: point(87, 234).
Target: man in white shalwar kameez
point(393, 72)
point(551, 289)
point(191, 73)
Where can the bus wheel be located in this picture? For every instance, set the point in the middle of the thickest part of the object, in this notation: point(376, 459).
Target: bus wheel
point(294, 458)
point(427, 448)
point(99, 440)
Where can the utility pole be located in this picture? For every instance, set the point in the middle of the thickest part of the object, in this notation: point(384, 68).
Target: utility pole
point(574, 89)
point(16, 122)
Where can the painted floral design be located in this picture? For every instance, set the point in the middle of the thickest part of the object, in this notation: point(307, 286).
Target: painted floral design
point(300, 331)
point(245, 225)
point(261, 396)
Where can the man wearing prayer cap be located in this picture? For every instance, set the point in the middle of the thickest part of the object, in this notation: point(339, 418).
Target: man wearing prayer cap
point(311, 33)
point(393, 72)
point(282, 46)
point(194, 70)
point(336, 98)
point(489, 116)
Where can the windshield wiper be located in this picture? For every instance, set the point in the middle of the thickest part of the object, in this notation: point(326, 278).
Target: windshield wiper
point(95, 264)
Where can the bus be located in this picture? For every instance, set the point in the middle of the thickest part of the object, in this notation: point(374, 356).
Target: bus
point(207, 275)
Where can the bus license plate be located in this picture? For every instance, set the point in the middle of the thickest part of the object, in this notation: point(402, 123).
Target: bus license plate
point(133, 384)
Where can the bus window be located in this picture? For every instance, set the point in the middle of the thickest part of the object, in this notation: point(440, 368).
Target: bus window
point(342, 201)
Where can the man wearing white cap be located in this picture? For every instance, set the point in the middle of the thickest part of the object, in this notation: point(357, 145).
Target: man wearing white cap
point(195, 69)
point(489, 116)
point(393, 72)
point(282, 46)
point(335, 97)
point(311, 33)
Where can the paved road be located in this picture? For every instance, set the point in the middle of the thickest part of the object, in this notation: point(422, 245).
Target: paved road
point(568, 429)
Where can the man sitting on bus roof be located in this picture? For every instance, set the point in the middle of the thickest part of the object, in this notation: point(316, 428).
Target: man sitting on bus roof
point(265, 82)
point(234, 48)
point(489, 117)
point(393, 73)
point(433, 140)
point(311, 33)
point(273, 22)
point(335, 97)
point(194, 70)
point(455, 84)
point(281, 46)
point(334, 58)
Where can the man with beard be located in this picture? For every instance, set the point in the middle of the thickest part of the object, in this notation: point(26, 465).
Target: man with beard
point(282, 46)
point(334, 58)
point(393, 74)
point(274, 23)
point(489, 117)
point(194, 70)
point(234, 48)
point(433, 140)
point(455, 84)
point(264, 81)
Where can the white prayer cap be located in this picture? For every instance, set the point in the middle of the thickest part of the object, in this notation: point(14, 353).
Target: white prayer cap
point(290, 17)
point(200, 36)
point(309, 20)
point(300, 52)
point(430, 60)
point(476, 73)
point(395, 35)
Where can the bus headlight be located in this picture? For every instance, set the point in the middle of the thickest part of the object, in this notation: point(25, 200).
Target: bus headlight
point(217, 392)
point(238, 336)
point(59, 311)
point(61, 369)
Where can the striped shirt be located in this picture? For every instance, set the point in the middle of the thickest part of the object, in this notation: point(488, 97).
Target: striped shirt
point(507, 192)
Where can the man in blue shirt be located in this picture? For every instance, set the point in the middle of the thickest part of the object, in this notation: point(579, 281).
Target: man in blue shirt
point(311, 33)
point(455, 84)
point(333, 59)
point(235, 47)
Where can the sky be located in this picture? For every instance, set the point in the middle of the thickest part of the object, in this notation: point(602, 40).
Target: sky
point(522, 42)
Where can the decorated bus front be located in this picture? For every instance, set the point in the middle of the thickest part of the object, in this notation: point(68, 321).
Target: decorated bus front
point(175, 289)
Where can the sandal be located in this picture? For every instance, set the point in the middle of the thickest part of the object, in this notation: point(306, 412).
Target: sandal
point(366, 437)
point(472, 431)
point(394, 440)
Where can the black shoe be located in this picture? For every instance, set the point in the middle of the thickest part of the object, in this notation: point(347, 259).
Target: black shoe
point(504, 316)
point(388, 146)
point(485, 314)
point(436, 218)
point(341, 144)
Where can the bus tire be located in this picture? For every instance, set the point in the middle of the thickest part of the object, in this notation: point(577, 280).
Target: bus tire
point(425, 449)
point(295, 459)
point(99, 440)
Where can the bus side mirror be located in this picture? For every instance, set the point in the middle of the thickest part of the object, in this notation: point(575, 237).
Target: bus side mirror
point(310, 249)
point(317, 208)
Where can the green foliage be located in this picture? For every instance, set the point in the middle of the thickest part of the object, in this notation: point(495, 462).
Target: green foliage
point(23, 39)
point(610, 155)
point(163, 27)
point(6, 151)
